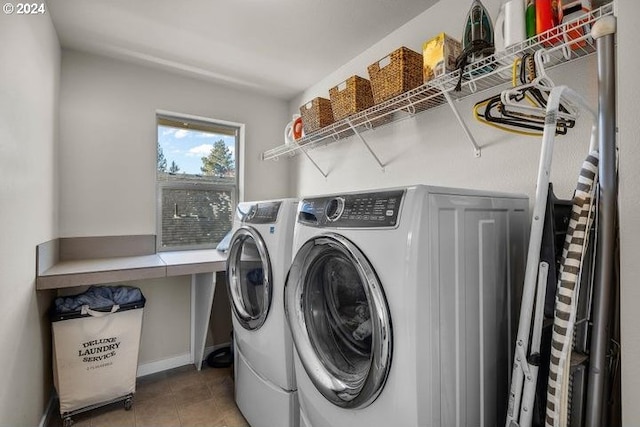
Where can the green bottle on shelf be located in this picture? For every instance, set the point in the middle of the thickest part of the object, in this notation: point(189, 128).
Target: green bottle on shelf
point(530, 18)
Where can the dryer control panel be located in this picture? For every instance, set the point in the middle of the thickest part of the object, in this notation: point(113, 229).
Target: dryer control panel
point(375, 209)
point(258, 213)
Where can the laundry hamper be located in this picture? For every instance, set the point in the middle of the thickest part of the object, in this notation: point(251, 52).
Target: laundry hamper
point(96, 339)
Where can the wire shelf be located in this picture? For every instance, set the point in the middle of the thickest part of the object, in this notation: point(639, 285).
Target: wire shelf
point(567, 42)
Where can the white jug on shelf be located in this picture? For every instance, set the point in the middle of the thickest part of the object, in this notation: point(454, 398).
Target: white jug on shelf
point(293, 130)
point(510, 24)
point(509, 30)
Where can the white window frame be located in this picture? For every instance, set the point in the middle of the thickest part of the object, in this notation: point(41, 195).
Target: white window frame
point(237, 192)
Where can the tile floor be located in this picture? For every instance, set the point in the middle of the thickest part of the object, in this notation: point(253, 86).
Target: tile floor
point(182, 397)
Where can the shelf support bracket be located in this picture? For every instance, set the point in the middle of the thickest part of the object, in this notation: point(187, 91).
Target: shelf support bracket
point(472, 140)
point(366, 144)
point(313, 162)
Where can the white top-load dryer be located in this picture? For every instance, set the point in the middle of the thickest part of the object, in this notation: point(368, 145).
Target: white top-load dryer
point(258, 260)
point(399, 302)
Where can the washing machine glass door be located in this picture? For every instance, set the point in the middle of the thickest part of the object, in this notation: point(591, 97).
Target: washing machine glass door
point(249, 277)
point(340, 321)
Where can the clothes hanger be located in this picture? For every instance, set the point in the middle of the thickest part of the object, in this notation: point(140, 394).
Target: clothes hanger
point(492, 111)
point(538, 89)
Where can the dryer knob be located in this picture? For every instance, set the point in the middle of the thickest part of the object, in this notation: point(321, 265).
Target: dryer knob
point(334, 208)
point(252, 213)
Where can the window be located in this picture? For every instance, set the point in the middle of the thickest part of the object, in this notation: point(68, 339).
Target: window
point(197, 181)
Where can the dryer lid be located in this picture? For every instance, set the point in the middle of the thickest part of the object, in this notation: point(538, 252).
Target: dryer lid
point(339, 319)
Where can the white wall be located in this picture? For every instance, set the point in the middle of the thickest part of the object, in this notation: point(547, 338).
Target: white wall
point(166, 330)
point(629, 173)
point(108, 140)
point(108, 165)
point(29, 90)
point(432, 149)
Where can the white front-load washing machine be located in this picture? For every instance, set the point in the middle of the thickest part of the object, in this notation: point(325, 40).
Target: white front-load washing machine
point(400, 306)
point(258, 260)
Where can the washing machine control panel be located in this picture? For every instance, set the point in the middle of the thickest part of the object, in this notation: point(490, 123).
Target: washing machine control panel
point(375, 209)
point(258, 213)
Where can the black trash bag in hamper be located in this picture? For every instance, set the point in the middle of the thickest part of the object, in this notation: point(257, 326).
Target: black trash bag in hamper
point(96, 341)
point(101, 298)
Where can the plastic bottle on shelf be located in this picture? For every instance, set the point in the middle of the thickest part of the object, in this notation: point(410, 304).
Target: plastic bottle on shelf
point(530, 18)
point(510, 24)
point(548, 16)
point(509, 30)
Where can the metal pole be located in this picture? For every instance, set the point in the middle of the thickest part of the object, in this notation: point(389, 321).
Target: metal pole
point(604, 32)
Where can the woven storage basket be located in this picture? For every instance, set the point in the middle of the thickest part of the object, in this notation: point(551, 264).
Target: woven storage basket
point(351, 96)
point(316, 114)
point(396, 73)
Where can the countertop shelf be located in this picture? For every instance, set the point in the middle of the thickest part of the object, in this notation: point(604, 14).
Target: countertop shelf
point(560, 49)
point(72, 273)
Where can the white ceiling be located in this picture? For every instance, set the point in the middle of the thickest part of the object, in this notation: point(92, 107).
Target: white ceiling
point(279, 47)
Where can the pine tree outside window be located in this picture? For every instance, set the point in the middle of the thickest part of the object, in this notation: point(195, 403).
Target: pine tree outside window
point(197, 181)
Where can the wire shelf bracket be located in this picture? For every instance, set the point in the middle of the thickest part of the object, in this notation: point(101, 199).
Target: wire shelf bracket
point(364, 141)
point(477, 151)
point(313, 162)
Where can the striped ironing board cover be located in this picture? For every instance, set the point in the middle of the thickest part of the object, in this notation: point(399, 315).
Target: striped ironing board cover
point(568, 289)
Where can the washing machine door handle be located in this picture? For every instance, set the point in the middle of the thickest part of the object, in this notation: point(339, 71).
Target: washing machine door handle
point(341, 388)
point(235, 276)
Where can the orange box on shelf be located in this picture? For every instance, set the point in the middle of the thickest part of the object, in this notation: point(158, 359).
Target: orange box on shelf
point(316, 114)
point(396, 73)
point(350, 96)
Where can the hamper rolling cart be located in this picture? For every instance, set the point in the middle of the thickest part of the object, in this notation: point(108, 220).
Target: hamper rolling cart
point(96, 339)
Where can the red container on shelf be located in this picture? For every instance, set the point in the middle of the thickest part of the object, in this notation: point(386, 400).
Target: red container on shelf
point(548, 16)
point(576, 15)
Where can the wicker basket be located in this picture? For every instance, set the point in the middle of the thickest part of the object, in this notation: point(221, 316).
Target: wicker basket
point(396, 73)
point(351, 96)
point(316, 114)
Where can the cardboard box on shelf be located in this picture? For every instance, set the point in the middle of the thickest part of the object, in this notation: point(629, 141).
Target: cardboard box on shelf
point(439, 56)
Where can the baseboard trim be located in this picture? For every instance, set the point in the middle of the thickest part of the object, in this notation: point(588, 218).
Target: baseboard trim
point(174, 362)
point(164, 364)
point(48, 411)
